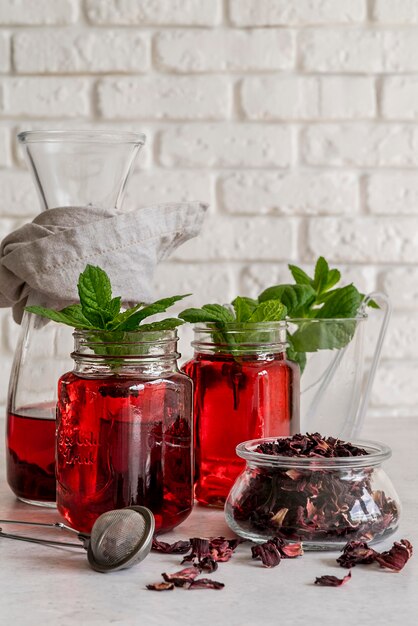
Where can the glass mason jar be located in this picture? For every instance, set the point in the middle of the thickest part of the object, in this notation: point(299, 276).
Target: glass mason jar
point(324, 502)
point(78, 169)
point(244, 387)
point(124, 429)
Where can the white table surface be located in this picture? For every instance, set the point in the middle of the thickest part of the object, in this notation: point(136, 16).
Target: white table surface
point(52, 586)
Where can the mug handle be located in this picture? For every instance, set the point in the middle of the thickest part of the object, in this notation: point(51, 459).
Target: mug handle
point(384, 303)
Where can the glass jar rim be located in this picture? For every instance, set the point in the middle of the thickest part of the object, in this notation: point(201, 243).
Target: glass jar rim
point(377, 453)
point(361, 317)
point(82, 136)
point(240, 338)
point(240, 326)
point(130, 337)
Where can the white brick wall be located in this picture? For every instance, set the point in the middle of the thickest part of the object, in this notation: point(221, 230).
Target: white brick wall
point(297, 120)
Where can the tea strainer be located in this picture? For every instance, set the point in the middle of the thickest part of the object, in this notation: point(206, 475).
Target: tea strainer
point(119, 538)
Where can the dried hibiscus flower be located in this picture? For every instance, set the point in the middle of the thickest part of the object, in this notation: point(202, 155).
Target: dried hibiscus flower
point(358, 552)
point(271, 552)
point(355, 553)
point(178, 547)
point(187, 579)
point(322, 499)
point(206, 552)
point(206, 583)
point(183, 577)
point(332, 581)
point(397, 557)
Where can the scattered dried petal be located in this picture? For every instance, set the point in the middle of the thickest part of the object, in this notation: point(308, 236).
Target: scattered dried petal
point(397, 557)
point(208, 565)
point(291, 550)
point(161, 586)
point(178, 547)
point(183, 577)
point(215, 549)
point(332, 581)
point(200, 548)
point(358, 552)
point(268, 553)
point(206, 583)
point(355, 553)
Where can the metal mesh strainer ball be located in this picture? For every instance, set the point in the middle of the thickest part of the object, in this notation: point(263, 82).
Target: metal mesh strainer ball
point(120, 538)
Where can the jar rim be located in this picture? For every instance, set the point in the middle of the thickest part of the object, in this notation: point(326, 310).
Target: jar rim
point(130, 337)
point(131, 346)
point(377, 453)
point(241, 338)
point(82, 136)
point(240, 326)
point(361, 317)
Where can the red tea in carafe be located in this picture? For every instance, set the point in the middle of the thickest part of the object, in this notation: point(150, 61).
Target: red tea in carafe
point(30, 453)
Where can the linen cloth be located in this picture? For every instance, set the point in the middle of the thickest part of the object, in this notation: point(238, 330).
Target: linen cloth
point(41, 261)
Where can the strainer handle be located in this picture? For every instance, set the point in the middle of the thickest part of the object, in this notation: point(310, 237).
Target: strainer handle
point(44, 542)
point(84, 538)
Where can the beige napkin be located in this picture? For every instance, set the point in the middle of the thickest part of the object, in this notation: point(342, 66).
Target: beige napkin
point(41, 261)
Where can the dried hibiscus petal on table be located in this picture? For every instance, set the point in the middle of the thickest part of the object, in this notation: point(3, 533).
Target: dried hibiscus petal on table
point(359, 553)
point(206, 583)
point(332, 581)
point(274, 550)
point(178, 547)
point(355, 553)
point(397, 557)
point(183, 577)
point(206, 552)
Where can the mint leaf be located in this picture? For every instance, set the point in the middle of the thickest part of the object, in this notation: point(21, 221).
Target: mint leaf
point(95, 292)
point(334, 276)
point(312, 336)
point(130, 320)
point(300, 277)
point(296, 298)
point(208, 313)
point(244, 308)
point(343, 302)
point(167, 324)
point(321, 275)
point(75, 313)
point(270, 311)
point(63, 317)
point(123, 316)
point(114, 306)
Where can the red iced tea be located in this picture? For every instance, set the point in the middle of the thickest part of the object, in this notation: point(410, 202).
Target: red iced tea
point(236, 399)
point(124, 441)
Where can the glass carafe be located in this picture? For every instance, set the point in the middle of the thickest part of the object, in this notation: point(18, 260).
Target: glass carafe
point(70, 169)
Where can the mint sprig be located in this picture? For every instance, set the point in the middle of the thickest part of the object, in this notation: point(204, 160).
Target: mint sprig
point(98, 310)
point(310, 298)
